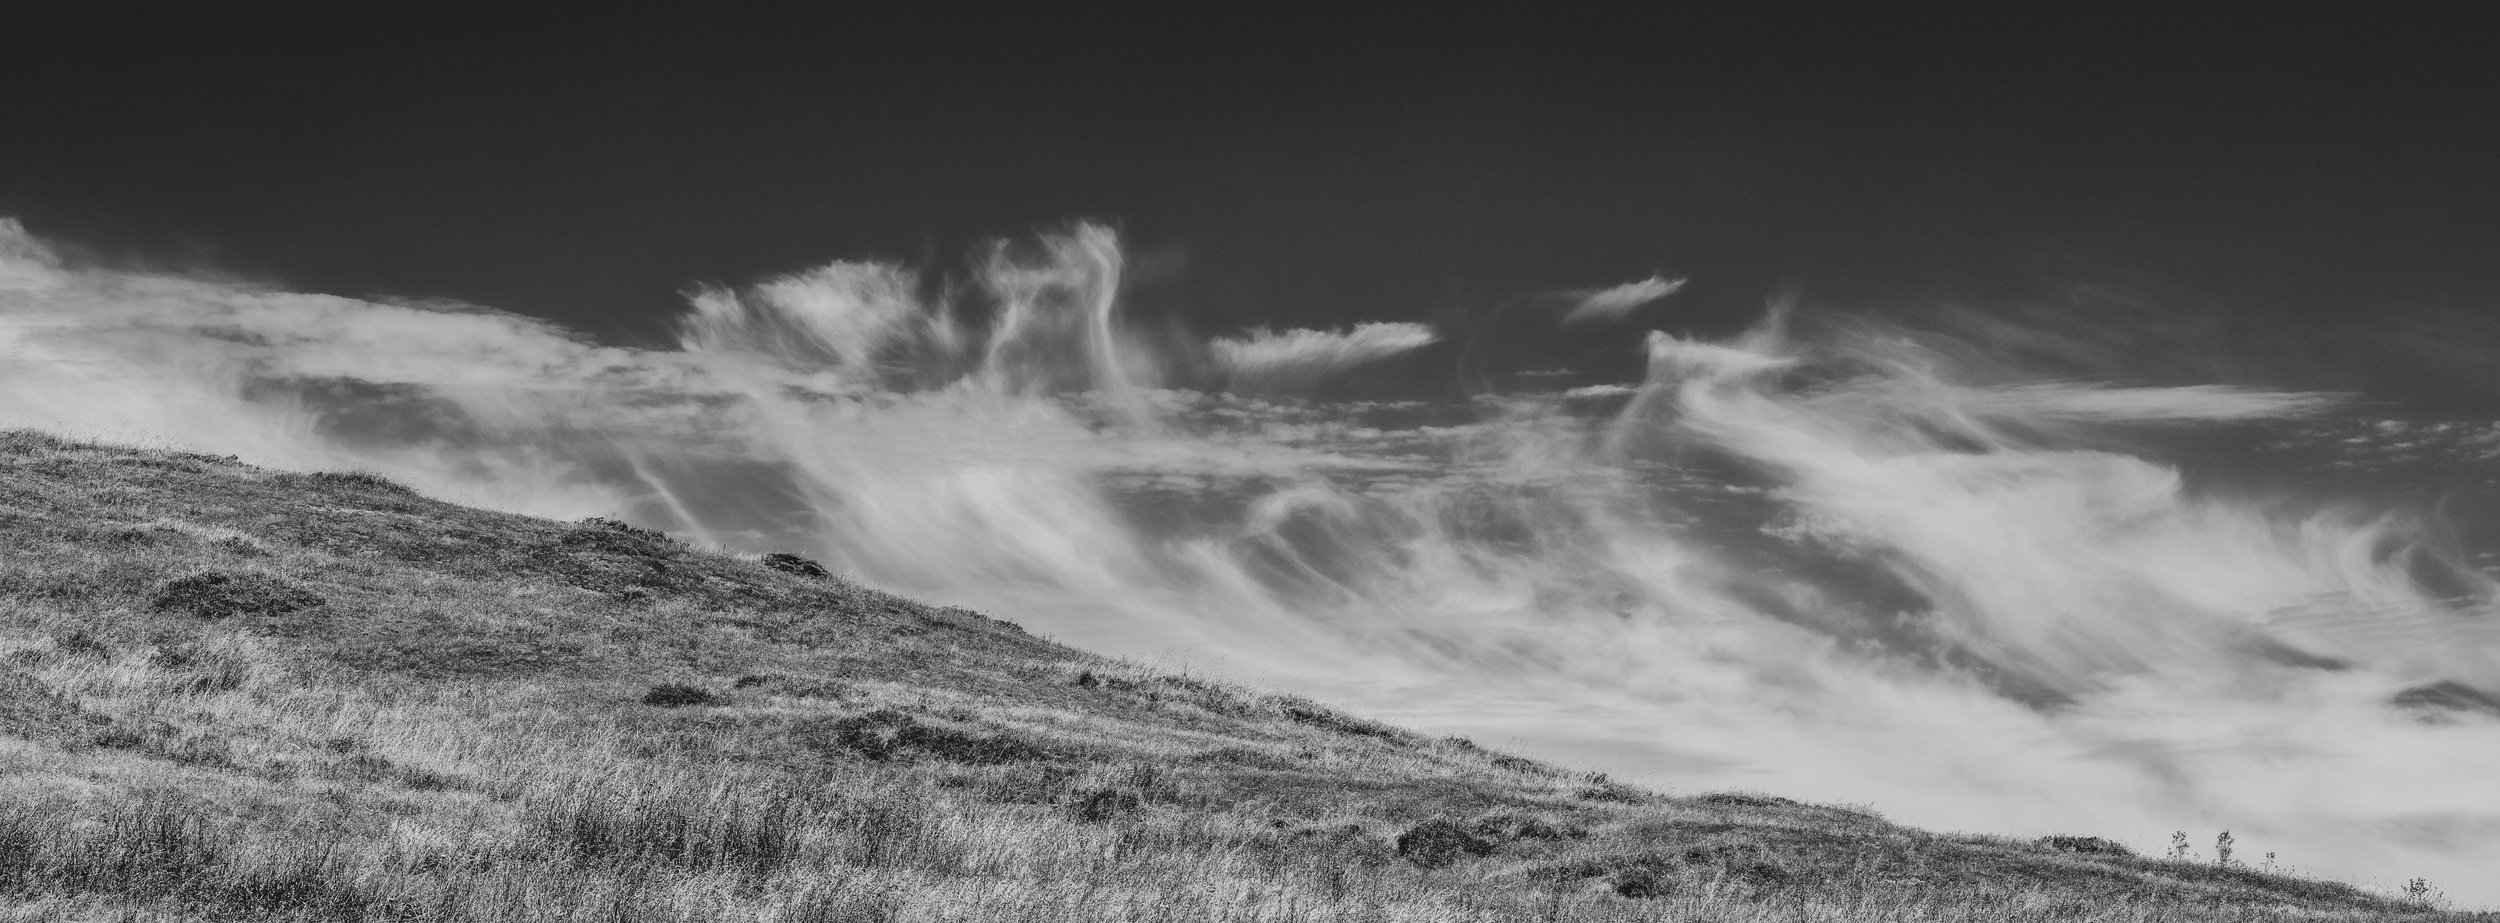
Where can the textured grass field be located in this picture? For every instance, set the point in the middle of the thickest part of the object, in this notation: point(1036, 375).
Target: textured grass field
point(229, 693)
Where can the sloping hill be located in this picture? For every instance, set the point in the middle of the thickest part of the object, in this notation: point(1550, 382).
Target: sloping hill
point(229, 693)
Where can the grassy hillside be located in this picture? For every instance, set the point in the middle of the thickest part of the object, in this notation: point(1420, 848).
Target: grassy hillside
point(229, 693)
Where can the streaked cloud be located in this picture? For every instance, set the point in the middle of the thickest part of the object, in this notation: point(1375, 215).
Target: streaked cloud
point(1615, 303)
point(1265, 360)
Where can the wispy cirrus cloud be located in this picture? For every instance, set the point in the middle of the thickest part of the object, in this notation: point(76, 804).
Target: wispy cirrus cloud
point(1266, 360)
point(1617, 302)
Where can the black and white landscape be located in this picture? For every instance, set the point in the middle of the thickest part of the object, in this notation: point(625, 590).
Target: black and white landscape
point(2013, 429)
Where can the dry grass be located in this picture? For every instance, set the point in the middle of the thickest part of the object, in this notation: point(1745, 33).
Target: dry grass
point(387, 708)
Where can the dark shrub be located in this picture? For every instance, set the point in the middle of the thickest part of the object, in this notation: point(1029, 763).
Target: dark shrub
point(971, 616)
point(359, 480)
point(1102, 805)
point(749, 682)
point(1611, 793)
point(620, 527)
point(1318, 717)
point(1653, 874)
point(1086, 680)
point(2087, 845)
point(1746, 800)
point(1742, 861)
point(118, 737)
point(979, 749)
point(1509, 827)
point(876, 735)
point(212, 595)
point(365, 767)
point(1643, 880)
point(679, 695)
point(612, 537)
point(423, 780)
point(886, 734)
point(1437, 843)
point(793, 564)
point(1245, 757)
point(1519, 764)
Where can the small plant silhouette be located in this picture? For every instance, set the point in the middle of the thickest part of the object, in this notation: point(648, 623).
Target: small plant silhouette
point(794, 565)
point(2087, 845)
point(2421, 892)
point(2222, 849)
point(1439, 842)
point(2178, 844)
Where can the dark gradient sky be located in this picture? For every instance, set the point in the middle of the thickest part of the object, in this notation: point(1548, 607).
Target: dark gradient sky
point(1299, 169)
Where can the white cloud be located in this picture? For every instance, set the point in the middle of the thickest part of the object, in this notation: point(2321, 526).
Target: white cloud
point(1618, 302)
point(1600, 391)
point(1262, 360)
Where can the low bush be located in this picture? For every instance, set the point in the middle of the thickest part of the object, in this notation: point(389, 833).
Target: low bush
point(1514, 827)
point(1746, 800)
point(1611, 793)
point(886, 734)
point(1645, 880)
point(2087, 845)
point(359, 480)
point(1522, 765)
point(608, 536)
point(679, 695)
point(1103, 804)
point(214, 596)
point(794, 565)
point(1246, 757)
point(1439, 843)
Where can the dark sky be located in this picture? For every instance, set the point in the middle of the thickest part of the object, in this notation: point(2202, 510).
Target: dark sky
point(1302, 168)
